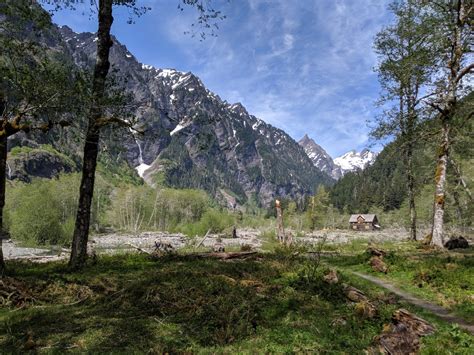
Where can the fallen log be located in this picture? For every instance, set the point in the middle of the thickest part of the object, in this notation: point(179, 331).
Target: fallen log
point(203, 239)
point(224, 255)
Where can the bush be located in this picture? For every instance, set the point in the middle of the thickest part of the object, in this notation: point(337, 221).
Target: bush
point(36, 216)
point(136, 208)
point(212, 220)
point(44, 211)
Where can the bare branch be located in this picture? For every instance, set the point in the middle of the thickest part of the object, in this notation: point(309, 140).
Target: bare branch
point(463, 72)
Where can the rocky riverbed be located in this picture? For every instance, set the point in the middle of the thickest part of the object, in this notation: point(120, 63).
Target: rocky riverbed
point(114, 243)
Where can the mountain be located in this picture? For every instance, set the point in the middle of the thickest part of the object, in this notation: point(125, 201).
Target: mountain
point(336, 168)
point(353, 160)
point(192, 138)
point(320, 158)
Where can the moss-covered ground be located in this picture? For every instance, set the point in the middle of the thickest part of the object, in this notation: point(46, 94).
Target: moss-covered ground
point(273, 303)
point(443, 277)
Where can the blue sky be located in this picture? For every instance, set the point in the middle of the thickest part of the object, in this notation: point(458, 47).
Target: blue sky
point(305, 66)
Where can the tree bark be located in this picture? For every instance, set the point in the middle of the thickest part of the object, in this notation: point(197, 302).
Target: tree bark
point(3, 177)
point(411, 193)
point(437, 237)
point(3, 167)
point(91, 146)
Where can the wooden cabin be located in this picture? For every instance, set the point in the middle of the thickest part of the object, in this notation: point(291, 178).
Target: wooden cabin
point(364, 222)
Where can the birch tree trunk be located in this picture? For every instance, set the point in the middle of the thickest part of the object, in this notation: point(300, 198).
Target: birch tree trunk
point(91, 147)
point(437, 237)
point(460, 31)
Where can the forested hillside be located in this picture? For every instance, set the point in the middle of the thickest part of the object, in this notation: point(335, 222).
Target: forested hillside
point(383, 186)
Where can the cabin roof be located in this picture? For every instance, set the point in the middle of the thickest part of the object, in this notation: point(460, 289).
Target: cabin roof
point(367, 218)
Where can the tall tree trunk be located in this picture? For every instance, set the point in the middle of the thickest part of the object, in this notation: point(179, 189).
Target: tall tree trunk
point(91, 147)
point(3, 177)
point(411, 191)
point(437, 237)
point(3, 167)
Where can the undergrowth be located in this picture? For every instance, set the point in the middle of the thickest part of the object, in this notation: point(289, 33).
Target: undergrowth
point(131, 303)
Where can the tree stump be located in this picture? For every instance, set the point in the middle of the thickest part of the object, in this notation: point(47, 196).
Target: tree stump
point(402, 336)
point(280, 229)
point(415, 324)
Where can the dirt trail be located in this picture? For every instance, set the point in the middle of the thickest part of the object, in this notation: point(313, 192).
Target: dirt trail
point(439, 311)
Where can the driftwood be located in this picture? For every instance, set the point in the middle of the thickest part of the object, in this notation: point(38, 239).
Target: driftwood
point(218, 247)
point(15, 293)
point(140, 249)
point(203, 239)
point(224, 256)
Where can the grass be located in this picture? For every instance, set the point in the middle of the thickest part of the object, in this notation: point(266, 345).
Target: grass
point(446, 278)
point(131, 303)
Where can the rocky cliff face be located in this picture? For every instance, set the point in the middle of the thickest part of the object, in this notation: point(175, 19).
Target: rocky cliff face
point(193, 138)
point(320, 158)
point(337, 167)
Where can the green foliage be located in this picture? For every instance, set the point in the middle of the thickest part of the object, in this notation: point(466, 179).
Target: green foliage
point(136, 208)
point(43, 212)
point(213, 220)
point(178, 304)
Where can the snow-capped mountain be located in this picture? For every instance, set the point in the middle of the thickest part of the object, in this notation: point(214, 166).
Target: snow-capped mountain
point(191, 137)
point(353, 160)
point(320, 158)
point(336, 168)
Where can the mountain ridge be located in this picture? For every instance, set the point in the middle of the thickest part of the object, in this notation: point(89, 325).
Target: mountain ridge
point(337, 167)
point(194, 139)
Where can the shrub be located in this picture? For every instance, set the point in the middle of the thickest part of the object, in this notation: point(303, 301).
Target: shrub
point(44, 211)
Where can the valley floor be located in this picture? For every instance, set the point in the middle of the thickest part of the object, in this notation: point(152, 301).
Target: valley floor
point(274, 302)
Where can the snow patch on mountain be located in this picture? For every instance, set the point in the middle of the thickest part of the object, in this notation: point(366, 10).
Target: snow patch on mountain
point(353, 160)
point(336, 168)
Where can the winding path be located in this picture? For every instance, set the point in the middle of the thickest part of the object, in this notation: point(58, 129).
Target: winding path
point(439, 311)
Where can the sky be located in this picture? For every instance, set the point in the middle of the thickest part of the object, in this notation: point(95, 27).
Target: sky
point(305, 66)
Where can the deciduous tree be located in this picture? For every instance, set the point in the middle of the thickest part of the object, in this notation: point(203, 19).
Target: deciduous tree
point(36, 88)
